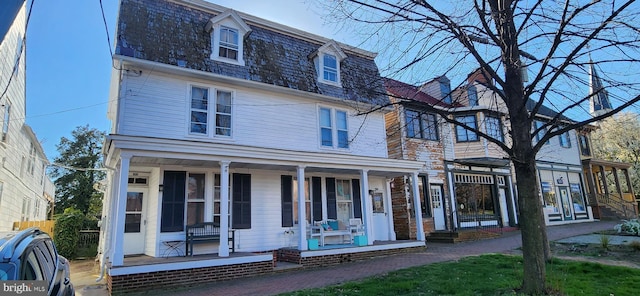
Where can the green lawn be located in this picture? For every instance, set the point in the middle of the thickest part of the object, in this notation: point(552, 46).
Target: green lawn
point(491, 275)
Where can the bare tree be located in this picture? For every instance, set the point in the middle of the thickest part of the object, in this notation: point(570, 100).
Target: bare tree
point(552, 42)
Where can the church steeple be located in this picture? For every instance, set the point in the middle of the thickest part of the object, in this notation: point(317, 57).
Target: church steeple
point(599, 98)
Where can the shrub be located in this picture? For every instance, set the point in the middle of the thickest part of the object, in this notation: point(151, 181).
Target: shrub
point(629, 226)
point(67, 232)
point(604, 241)
point(635, 245)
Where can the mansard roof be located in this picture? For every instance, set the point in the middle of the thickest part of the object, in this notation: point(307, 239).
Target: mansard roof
point(175, 33)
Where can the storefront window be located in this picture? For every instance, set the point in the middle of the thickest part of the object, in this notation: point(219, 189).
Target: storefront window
point(475, 202)
point(576, 198)
point(549, 196)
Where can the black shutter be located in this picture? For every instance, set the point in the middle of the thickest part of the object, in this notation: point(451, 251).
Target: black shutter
point(316, 192)
point(287, 200)
point(173, 194)
point(331, 199)
point(357, 204)
point(241, 202)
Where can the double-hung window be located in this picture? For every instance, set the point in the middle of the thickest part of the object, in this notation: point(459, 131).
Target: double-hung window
point(228, 43)
point(344, 200)
point(494, 127)
point(201, 114)
point(330, 68)
point(565, 141)
point(463, 134)
point(537, 124)
point(195, 198)
point(472, 95)
point(421, 126)
point(5, 121)
point(334, 131)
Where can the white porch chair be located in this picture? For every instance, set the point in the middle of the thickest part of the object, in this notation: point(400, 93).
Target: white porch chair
point(356, 227)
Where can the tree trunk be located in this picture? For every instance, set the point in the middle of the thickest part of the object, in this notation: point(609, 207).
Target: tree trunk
point(535, 245)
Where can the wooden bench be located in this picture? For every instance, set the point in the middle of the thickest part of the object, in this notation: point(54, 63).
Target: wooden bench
point(321, 230)
point(205, 232)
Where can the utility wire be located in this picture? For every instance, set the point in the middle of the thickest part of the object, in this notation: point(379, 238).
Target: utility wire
point(22, 48)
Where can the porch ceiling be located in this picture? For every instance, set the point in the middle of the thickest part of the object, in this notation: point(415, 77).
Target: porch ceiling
point(154, 161)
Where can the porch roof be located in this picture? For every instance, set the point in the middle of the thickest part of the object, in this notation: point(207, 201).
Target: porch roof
point(165, 152)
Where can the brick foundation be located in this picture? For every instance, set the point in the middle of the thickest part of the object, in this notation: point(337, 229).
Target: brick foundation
point(125, 284)
point(294, 256)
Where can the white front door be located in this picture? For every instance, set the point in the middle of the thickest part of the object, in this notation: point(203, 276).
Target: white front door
point(380, 221)
point(135, 221)
point(438, 208)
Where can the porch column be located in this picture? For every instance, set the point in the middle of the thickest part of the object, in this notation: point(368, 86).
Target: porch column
point(302, 212)
point(388, 202)
point(617, 180)
point(121, 206)
point(591, 185)
point(626, 177)
point(603, 181)
point(223, 248)
point(417, 206)
point(367, 207)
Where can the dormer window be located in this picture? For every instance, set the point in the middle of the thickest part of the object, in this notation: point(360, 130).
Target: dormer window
point(228, 43)
point(327, 61)
point(227, 32)
point(330, 69)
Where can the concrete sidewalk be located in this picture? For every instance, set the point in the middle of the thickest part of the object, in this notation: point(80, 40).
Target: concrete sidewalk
point(84, 275)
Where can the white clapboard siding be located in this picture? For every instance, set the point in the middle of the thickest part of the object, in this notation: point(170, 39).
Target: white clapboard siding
point(158, 106)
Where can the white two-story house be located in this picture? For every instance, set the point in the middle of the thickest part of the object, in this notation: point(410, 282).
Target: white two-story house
point(26, 192)
point(225, 118)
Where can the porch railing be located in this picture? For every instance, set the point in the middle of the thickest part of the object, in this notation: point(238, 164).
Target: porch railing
point(614, 201)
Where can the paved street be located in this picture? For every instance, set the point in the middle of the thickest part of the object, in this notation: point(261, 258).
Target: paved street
point(435, 252)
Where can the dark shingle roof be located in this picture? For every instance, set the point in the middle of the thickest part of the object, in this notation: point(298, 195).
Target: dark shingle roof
point(407, 91)
point(170, 33)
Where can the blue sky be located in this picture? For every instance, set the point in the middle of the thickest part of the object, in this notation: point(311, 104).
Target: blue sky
point(69, 63)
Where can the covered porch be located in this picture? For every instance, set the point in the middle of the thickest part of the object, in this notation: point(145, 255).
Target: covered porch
point(262, 200)
point(609, 189)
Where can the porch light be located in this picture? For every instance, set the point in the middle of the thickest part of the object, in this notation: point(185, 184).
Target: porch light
point(160, 187)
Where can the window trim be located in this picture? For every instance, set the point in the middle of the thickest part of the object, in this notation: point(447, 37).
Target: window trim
point(333, 49)
point(334, 127)
point(565, 140)
point(6, 119)
point(211, 112)
point(422, 133)
point(231, 20)
point(499, 130)
point(467, 132)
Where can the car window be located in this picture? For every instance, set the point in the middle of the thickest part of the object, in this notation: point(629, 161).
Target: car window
point(46, 262)
point(31, 270)
point(6, 270)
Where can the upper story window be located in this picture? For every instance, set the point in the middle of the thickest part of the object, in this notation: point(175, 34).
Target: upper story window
point(5, 121)
point(334, 132)
point(494, 127)
point(584, 145)
point(565, 141)
point(327, 62)
point(202, 116)
point(330, 69)
point(227, 32)
point(31, 162)
point(472, 95)
point(537, 124)
point(422, 126)
point(465, 135)
point(228, 46)
point(445, 89)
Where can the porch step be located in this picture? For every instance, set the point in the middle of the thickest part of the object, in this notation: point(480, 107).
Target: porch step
point(466, 235)
point(282, 266)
